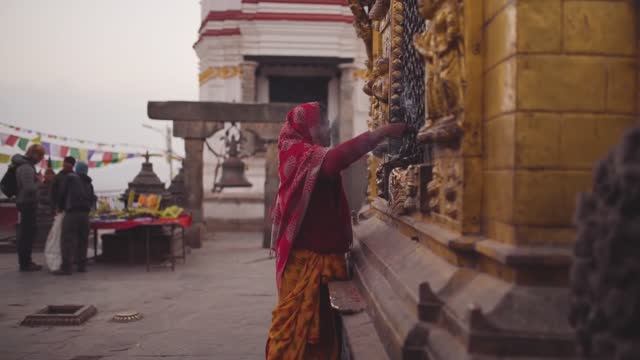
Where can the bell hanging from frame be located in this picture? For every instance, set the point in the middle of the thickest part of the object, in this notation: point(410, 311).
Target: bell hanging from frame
point(232, 171)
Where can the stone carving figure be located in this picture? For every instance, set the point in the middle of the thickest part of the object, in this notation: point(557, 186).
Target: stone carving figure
point(442, 47)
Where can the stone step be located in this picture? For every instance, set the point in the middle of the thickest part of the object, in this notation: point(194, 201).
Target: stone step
point(361, 337)
point(358, 330)
point(426, 306)
point(392, 318)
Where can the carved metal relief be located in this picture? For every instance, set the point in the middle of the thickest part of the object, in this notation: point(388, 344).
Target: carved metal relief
point(379, 9)
point(397, 190)
point(395, 84)
point(442, 47)
point(377, 86)
point(444, 187)
point(403, 190)
point(362, 25)
point(397, 22)
point(412, 98)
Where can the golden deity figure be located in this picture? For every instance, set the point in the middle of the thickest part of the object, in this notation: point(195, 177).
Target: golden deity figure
point(442, 47)
point(377, 86)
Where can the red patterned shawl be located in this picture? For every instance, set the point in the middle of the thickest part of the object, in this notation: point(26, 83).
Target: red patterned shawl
point(300, 163)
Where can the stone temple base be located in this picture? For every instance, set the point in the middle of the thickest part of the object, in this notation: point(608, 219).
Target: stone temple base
point(425, 305)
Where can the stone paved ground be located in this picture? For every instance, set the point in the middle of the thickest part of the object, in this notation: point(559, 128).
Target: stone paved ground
point(217, 306)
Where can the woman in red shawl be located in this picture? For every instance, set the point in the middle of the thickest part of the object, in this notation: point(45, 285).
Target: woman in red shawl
point(312, 231)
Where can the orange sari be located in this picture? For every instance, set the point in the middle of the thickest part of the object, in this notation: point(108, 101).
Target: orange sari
point(303, 325)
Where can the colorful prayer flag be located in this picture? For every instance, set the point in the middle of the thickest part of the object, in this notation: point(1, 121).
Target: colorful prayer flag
point(84, 154)
point(47, 147)
point(37, 140)
point(54, 150)
point(75, 153)
point(11, 140)
point(3, 138)
point(64, 150)
point(131, 155)
point(4, 159)
point(106, 157)
point(115, 158)
point(22, 143)
point(90, 154)
point(92, 164)
point(99, 164)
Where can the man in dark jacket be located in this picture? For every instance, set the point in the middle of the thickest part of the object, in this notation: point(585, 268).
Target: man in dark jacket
point(58, 181)
point(27, 203)
point(78, 198)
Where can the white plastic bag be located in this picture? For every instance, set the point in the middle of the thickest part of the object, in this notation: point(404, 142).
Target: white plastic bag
point(52, 252)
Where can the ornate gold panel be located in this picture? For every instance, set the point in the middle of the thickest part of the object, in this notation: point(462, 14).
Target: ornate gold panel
point(442, 46)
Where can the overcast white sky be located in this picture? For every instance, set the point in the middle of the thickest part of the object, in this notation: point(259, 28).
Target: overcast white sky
point(86, 68)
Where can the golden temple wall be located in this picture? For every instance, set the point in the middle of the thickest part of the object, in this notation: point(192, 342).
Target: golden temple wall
point(560, 87)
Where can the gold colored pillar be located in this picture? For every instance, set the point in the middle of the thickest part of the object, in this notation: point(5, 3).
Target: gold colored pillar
point(560, 87)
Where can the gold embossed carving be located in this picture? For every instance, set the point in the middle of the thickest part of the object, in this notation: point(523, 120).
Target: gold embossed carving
point(403, 190)
point(397, 22)
point(363, 26)
point(444, 189)
point(219, 72)
point(377, 86)
point(397, 191)
point(442, 46)
point(379, 9)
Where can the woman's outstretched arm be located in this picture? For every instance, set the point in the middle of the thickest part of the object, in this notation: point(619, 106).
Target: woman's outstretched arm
point(343, 155)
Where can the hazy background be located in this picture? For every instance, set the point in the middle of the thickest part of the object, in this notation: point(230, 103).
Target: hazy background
point(86, 69)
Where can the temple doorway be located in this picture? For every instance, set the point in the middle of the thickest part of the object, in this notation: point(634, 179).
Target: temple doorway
point(299, 89)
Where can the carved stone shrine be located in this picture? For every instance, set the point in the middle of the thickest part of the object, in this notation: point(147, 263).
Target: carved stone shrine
point(148, 182)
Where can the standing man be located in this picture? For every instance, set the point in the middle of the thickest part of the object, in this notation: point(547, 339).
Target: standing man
point(78, 199)
point(58, 181)
point(27, 182)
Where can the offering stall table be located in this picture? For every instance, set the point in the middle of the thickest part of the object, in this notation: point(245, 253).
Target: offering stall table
point(183, 221)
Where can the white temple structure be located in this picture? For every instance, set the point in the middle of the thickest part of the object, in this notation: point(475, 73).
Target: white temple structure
point(278, 51)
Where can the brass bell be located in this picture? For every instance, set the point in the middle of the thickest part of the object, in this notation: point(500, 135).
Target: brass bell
point(232, 171)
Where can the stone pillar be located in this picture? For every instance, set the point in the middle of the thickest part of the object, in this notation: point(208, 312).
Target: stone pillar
point(345, 114)
point(560, 89)
point(249, 81)
point(193, 167)
point(355, 177)
point(271, 183)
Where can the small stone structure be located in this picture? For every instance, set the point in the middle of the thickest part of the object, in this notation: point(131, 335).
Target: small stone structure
point(147, 182)
point(177, 189)
point(60, 315)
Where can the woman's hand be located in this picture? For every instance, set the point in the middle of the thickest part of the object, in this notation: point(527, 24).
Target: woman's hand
point(395, 130)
